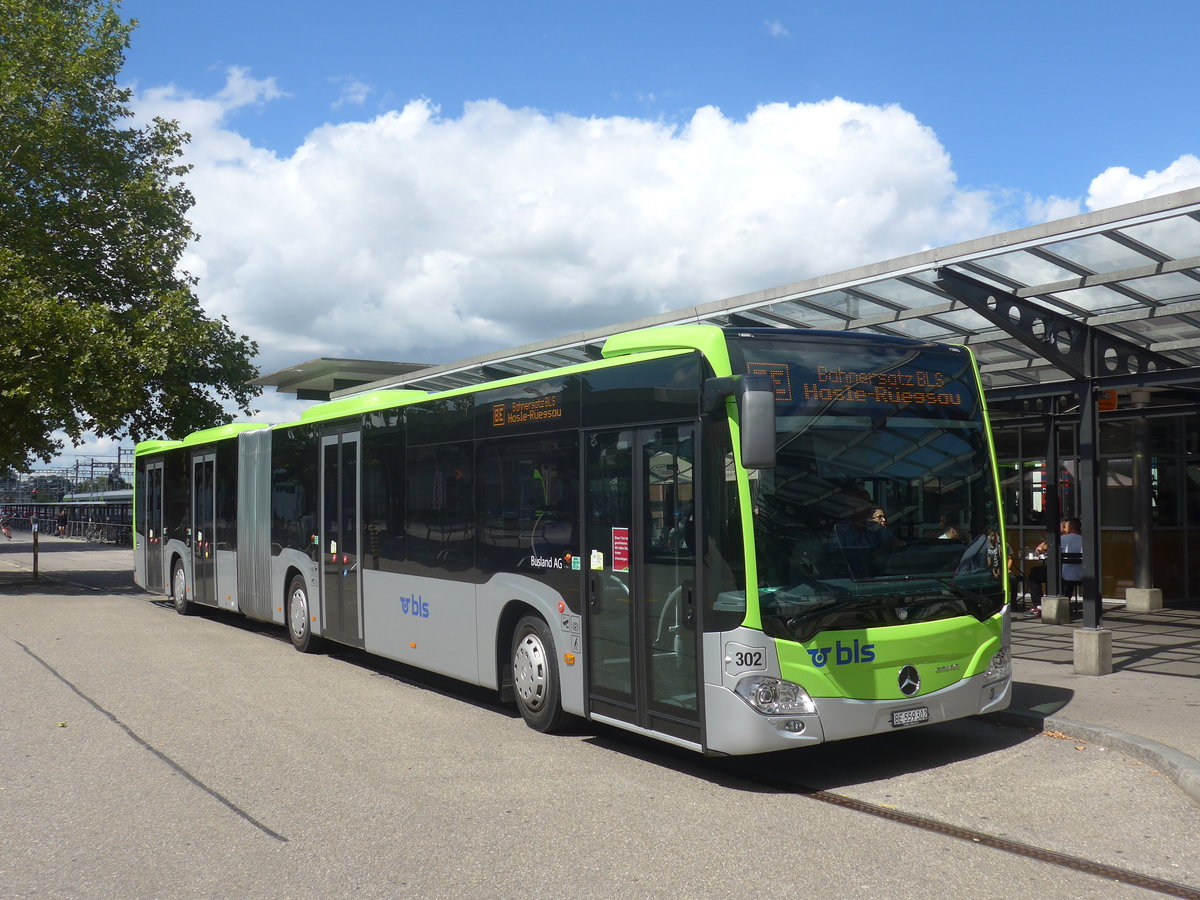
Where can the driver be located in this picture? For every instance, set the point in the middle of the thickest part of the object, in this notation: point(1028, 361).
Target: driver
point(858, 539)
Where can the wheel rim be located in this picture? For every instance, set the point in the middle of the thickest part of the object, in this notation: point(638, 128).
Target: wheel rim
point(180, 587)
point(298, 612)
point(530, 672)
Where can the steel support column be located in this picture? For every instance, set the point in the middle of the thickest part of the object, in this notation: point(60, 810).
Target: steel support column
point(1143, 475)
point(1088, 478)
point(1052, 509)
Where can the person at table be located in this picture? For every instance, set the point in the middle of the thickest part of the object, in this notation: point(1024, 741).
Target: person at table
point(1070, 541)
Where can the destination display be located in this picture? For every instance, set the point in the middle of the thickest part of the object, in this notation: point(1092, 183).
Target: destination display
point(523, 412)
point(908, 386)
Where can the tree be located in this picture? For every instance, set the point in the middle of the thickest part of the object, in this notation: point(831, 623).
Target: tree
point(100, 331)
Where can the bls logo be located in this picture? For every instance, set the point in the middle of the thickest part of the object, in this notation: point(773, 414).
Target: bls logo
point(843, 655)
point(415, 606)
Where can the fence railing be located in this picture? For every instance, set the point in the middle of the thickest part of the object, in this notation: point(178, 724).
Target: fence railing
point(81, 529)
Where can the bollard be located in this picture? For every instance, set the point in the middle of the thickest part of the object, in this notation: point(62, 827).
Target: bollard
point(35, 549)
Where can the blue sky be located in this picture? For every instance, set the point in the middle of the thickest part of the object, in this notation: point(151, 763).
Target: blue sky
point(1026, 96)
point(431, 181)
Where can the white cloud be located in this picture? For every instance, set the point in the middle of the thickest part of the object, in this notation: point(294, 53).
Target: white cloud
point(241, 90)
point(1117, 185)
point(776, 29)
point(425, 237)
point(206, 119)
point(1048, 209)
point(354, 92)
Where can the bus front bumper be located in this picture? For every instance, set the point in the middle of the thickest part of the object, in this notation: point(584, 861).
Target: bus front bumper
point(734, 728)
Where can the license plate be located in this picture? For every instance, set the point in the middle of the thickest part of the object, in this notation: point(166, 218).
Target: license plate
point(910, 716)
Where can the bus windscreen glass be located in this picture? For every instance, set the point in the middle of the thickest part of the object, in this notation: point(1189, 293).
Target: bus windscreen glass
point(881, 509)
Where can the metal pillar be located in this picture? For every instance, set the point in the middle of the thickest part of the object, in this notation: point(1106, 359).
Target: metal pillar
point(1089, 502)
point(1143, 560)
point(1052, 510)
point(1143, 596)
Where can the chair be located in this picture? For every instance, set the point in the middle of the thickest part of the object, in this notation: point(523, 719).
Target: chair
point(1018, 589)
point(1071, 587)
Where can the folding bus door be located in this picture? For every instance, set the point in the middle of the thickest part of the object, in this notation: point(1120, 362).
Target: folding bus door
point(150, 509)
point(340, 528)
point(643, 636)
point(204, 521)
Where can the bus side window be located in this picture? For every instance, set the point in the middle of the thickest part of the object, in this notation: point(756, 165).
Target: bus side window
point(441, 508)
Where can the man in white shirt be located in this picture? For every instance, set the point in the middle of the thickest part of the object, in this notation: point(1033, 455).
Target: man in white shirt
point(1070, 542)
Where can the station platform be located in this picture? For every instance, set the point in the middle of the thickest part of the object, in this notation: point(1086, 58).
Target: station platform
point(1148, 708)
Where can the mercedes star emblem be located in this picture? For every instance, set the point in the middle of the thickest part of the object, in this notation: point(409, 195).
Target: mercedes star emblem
point(910, 681)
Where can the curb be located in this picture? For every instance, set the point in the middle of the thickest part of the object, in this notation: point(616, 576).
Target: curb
point(1179, 767)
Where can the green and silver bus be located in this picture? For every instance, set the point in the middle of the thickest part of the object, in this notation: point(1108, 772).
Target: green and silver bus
point(733, 540)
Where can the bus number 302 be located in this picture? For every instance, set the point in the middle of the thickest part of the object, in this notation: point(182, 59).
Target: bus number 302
point(748, 659)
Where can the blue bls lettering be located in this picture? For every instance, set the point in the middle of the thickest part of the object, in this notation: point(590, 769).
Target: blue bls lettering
point(843, 654)
point(415, 606)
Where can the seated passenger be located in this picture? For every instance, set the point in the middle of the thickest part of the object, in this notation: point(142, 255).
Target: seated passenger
point(857, 540)
point(879, 524)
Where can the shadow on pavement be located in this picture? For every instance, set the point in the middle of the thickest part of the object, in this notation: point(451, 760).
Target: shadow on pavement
point(828, 766)
point(22, 545)
point(68, 584)
point(1039, 699)
point(1166, 642)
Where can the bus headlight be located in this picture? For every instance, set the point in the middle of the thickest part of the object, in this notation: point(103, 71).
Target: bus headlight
point(773, 697)
point(999, 668)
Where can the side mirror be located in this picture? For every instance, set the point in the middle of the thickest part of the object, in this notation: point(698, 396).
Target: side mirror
point(756, 406)
point(756, 409)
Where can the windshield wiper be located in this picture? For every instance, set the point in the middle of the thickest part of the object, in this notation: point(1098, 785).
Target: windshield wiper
point(981, 603)
point(955, 588)
point(803, 620)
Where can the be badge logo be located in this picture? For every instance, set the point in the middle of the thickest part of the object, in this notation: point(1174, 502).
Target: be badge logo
point(843, 654)
point(415, 606)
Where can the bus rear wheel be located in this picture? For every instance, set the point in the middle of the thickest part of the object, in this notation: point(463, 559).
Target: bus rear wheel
point(535, 675)
point(179, 596)
point(299, 618)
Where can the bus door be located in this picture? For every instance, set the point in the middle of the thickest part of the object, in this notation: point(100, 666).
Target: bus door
point(643, 630)
point(150, 505)
point(340, 571)
point(203, 536)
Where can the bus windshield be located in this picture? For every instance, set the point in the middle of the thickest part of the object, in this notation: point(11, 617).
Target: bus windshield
point(881, 509)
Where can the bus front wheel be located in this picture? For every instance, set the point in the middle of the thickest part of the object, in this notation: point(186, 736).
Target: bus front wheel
point(179, 596)
point(299, 619)
point(535, 675)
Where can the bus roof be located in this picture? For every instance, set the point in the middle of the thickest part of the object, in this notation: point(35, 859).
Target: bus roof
point(651, 343)
point(647, 343)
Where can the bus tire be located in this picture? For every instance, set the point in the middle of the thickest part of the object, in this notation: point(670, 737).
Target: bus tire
point(299, 617)
point(535, 675)
point(179, 596)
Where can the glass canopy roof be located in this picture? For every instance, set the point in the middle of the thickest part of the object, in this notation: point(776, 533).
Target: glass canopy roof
point(1132, 271)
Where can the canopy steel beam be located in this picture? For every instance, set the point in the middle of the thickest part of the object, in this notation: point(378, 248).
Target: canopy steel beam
point(1074, 347)
point(1183, 379)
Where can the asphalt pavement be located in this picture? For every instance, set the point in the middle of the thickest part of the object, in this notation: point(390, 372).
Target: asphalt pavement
point(145, 754)
point(1148, 708)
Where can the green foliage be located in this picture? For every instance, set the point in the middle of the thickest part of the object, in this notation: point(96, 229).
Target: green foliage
point(99, 330)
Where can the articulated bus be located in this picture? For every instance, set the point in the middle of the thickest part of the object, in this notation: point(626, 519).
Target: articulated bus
point(733, 540)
